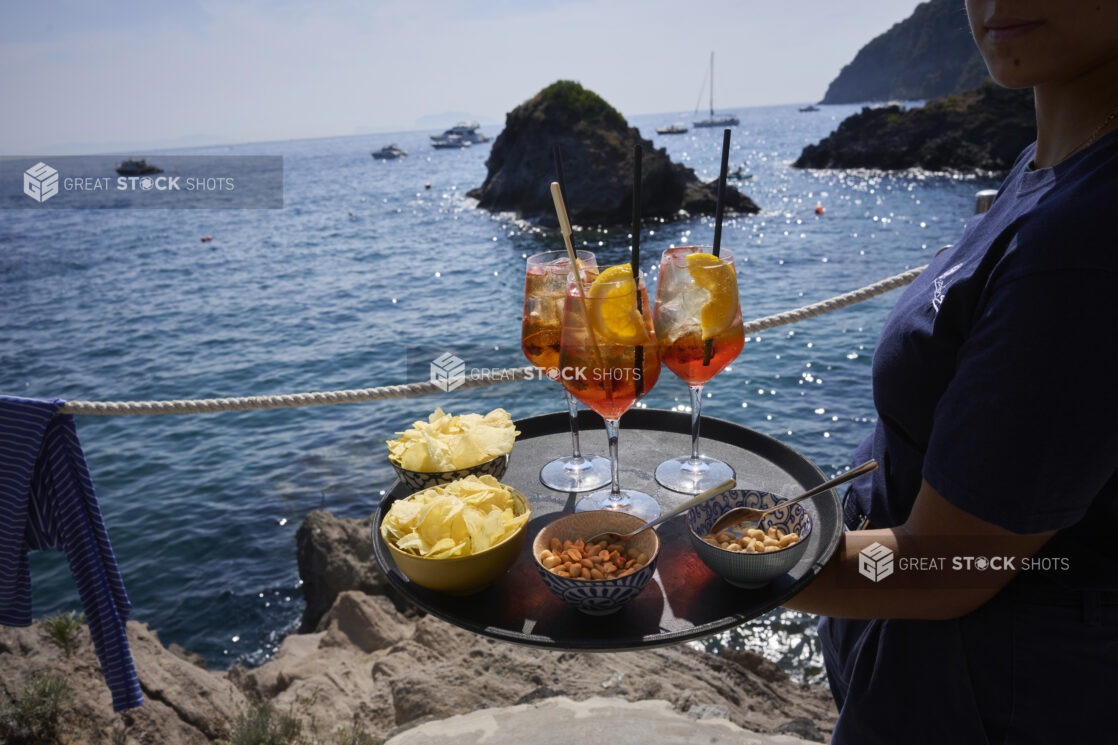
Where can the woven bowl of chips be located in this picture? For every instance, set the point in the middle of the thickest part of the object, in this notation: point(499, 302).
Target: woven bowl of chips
point(417, 480)
point(457, 538)
point(447, 448)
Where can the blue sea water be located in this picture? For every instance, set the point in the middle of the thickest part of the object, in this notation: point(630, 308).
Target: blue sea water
point(329, 293)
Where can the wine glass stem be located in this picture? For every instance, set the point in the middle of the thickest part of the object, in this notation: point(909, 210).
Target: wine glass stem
point(696, 405)
point(611, 435)
point(572, 410)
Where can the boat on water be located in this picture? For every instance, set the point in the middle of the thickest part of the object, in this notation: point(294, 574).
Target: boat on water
point(676, 129)
point(389, 152)
point(739, 174)
point(727, 120)
point(462, 134)
point(809, 107)
point(136, 167)
point(450, 142)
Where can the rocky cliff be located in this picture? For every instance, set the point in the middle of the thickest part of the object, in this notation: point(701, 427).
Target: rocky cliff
point(929, 54)
point(367, 671)
point(981, 130)
point(597, 147)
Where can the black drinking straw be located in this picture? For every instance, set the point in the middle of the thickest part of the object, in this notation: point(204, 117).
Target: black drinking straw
point(636, 254)
point(721, 191)
point(708, 346)
point(557, 156)
point(635, 261)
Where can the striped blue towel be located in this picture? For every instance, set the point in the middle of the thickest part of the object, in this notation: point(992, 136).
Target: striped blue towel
point(47, 501)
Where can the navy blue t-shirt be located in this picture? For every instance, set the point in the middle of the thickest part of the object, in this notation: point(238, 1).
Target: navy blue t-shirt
point(994, 380)
point(995, 375)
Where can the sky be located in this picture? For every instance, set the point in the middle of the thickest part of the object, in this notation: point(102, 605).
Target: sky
point(86, 77)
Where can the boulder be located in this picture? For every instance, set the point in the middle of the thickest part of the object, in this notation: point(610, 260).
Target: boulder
point(205, 701)
point(333, 556)
point(983, 130)
point(597, 149)
point(184, 704)
point(564, 720)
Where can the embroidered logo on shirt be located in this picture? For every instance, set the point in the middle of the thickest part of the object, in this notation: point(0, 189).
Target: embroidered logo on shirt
point(939, 286)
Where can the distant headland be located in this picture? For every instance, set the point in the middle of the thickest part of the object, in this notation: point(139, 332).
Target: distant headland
point(980, 130)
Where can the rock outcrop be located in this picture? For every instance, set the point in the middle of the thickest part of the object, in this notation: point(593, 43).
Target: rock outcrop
point(617, 721)
point(370, 667)
point(184, 704)
point(597, 148)
point(982, 130)
point(334, 556)
point(929, 54)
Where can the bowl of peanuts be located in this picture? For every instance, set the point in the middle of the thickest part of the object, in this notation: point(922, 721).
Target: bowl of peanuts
point(599, 578)
point(756, 556)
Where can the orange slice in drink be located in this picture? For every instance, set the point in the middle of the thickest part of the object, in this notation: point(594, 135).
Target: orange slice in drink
point(613, 307)
point(721, 283)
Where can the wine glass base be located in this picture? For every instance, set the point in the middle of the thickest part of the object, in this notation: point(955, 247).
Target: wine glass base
point(632, 502)
point(683, 475)
point(567, 474)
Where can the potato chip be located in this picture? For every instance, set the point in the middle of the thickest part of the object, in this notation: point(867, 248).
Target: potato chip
point(457, 519)
point(446, 443)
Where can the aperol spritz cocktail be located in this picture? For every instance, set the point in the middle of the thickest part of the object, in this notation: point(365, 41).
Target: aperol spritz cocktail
point(609, 359)
point(699, 328)
point(545, 287)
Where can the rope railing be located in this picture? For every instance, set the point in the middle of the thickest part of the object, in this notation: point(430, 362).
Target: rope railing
point(507, 375)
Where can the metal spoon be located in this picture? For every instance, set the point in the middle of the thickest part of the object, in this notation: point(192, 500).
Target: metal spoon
point(711, 493)
point(736, 517)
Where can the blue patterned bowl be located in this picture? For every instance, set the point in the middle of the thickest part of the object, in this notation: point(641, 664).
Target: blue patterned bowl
point(742, 569)
point(597, 597)
point(419, 480)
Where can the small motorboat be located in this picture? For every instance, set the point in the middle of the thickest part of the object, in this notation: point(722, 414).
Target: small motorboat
point(450, 142)
point(676, 129)
point(389, 152)
point(136, 167)
point(809, 107)
point(464, 131)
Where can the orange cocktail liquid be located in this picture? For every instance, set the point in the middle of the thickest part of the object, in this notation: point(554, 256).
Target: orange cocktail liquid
point(540, 343)
point(612, 388)
point(684, 356)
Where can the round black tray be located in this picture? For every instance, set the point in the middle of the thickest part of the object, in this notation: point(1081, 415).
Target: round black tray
point(685, 600)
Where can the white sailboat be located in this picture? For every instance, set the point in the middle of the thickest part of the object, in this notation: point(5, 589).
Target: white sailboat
point(712, 120)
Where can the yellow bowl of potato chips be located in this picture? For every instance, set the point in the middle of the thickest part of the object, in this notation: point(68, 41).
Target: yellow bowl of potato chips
point(447, 448)
point(457, 538)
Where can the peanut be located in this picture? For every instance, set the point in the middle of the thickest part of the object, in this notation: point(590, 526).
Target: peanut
point(754, 541)
point(591, 561)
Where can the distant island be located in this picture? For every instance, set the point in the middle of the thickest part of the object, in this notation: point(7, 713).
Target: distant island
point(928, 55)
point(980, 130)
point(597, 148)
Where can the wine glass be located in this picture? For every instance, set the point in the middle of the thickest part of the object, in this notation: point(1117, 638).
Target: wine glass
point(609, 359)
point(699, 328)
point(545, 286)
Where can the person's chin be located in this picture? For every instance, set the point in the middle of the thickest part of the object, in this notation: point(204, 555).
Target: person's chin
point(1011, 78)
point(1010, 68)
